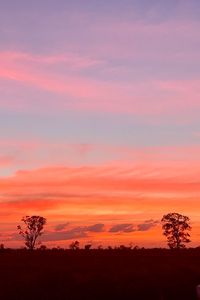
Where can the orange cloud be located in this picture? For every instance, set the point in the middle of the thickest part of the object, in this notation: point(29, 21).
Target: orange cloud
point(107, 195)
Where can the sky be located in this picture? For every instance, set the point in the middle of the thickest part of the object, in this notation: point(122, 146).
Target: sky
point(99, 118)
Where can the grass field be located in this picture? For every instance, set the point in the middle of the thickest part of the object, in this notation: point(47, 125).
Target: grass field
point(99, 274)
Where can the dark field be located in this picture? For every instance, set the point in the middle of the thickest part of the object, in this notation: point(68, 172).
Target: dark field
point(99, 274)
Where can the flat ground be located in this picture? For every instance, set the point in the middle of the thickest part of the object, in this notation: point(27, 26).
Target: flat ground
point(99, 274)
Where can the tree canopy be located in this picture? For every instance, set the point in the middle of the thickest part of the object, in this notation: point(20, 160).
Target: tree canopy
point(175, 228)
point(33, 226)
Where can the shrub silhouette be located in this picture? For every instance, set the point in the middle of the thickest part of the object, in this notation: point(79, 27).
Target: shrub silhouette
point(88, 247)
point(33, 229)
point(2, 247)
point(175, 228)
point(74, 245)
point(43, 247)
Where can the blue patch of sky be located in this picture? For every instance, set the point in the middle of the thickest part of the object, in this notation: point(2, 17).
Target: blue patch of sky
point(73, 127)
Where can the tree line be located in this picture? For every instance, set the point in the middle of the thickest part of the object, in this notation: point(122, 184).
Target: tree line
point(176, 228)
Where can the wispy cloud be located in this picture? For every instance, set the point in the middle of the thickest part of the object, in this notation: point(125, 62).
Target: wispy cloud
point(94, 94)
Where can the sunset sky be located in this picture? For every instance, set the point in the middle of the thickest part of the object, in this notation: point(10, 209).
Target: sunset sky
point(99, 118)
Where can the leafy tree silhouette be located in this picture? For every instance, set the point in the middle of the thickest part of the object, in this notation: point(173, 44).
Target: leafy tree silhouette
point(175, 228)
point(33, 229)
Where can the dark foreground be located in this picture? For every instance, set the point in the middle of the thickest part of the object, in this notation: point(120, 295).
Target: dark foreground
point(99, 274)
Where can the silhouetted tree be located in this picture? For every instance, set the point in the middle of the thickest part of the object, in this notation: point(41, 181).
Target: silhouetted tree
point(33, 229)
point(175, 228)
point(74, 245)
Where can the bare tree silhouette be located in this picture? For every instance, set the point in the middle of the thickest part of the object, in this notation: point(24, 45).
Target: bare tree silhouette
point(175, 228)
point(32, 230)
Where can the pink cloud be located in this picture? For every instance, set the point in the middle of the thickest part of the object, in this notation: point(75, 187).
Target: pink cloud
point(6, 161)
point(70, 59)
point(148, 97)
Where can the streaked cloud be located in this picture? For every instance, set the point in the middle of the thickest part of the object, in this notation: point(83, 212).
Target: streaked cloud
point(74, 233)
point(122, 228)
point(127, 228)
point(147, 225)
point(61, 227)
